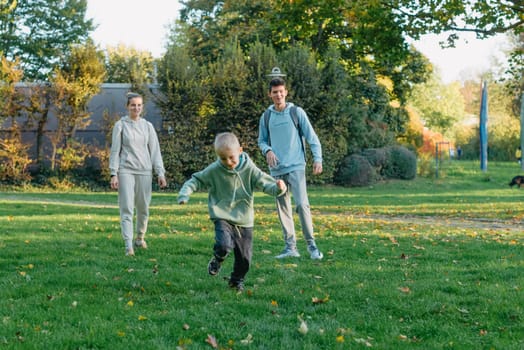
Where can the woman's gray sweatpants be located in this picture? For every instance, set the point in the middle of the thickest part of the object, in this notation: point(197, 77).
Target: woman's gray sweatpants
point(134, 192)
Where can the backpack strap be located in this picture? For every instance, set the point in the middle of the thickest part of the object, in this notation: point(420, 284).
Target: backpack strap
point(294, 117)
point(293, 112)
point(267, 115)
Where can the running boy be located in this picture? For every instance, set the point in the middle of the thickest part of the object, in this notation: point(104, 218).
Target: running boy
point(231, 181)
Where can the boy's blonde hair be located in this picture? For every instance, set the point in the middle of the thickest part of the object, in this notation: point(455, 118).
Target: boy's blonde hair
point(226, 140)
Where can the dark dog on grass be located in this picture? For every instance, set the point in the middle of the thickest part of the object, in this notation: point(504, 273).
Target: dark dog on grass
point(517, 180)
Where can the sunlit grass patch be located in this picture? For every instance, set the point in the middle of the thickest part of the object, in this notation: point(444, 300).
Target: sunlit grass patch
point(422, 264)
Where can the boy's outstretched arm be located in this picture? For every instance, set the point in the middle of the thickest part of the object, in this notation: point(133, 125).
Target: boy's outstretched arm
point(187, 189)
point(281, 186)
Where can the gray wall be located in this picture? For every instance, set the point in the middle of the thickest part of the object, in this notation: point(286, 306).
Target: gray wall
point(111, 100)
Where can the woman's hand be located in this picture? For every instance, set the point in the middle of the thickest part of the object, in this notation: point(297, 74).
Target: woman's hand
point(162, 182)
point(114, 182)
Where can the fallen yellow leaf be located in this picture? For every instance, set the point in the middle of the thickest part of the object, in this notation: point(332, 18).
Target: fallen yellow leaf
point(404, 289)
point(316, 300)
point(211, 340)
point(302, 329)
point(248, 340)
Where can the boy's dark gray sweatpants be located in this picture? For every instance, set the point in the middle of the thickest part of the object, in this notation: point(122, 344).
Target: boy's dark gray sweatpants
point(229, 237)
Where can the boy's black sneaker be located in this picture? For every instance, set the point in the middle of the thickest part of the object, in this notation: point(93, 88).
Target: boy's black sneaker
point(239, 286)
point(213, 267)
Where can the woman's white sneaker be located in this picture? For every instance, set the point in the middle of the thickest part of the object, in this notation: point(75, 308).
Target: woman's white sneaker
point(288, 253)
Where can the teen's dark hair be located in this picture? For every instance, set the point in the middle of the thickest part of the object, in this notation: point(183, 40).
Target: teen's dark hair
point(276, 82)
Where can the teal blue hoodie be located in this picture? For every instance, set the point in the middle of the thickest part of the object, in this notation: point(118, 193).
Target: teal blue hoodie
point(285, 140)
point(231, 191)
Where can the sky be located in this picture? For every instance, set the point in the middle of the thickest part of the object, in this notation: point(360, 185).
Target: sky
point(144, 26)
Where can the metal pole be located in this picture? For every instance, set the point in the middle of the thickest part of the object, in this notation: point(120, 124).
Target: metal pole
point(436, 160)
point(483, 128)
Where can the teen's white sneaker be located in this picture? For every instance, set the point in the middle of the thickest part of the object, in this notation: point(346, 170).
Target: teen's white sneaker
point(315, 253)
point(130, 252)
point(288, 253)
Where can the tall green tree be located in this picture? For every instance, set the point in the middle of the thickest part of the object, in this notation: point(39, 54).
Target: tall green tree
point(485, 18)
point(128, 65)
point(515, 72)
point(439, 105)
point(228, 83)
point(40, 32)
point(336, 55)
point(363, 31)
point(186, 106)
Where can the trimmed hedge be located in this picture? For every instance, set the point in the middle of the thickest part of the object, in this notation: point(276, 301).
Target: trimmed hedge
point(401, 163)
point(394, 162)
point(355, 171)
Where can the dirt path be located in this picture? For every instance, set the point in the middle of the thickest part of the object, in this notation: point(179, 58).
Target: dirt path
point(469, 223)
point(455, 222)
point(80, 203)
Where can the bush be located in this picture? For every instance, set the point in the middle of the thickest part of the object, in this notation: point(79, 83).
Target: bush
point(401, 163)
point(72, 156)
point(377, 157)
point(355, 170)
point(14, 161)
point(426, 165)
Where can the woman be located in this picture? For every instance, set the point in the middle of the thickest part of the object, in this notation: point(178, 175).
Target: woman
point(135, 153)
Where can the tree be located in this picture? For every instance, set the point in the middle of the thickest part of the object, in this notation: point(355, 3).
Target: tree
point(440, 106)
point(129, 65)
point(483, 17)
point(186, 107)
point(40, 32)
point(503, 130)
point(13, 153)
point(336, 55)
point(37, 111)
point(74, 84)
point(228, 81)
point(357, 28)
point(10, 97)
point(515, 73)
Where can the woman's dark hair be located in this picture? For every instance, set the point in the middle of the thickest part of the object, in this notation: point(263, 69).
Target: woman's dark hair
point(132, 95)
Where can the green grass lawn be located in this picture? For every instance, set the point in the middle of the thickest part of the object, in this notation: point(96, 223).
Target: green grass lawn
point(423, 264)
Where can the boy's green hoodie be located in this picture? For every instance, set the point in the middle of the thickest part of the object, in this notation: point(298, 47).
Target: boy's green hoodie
point(231, 191)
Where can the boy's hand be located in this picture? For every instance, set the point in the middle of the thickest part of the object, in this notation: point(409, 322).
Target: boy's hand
point(281, 185)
